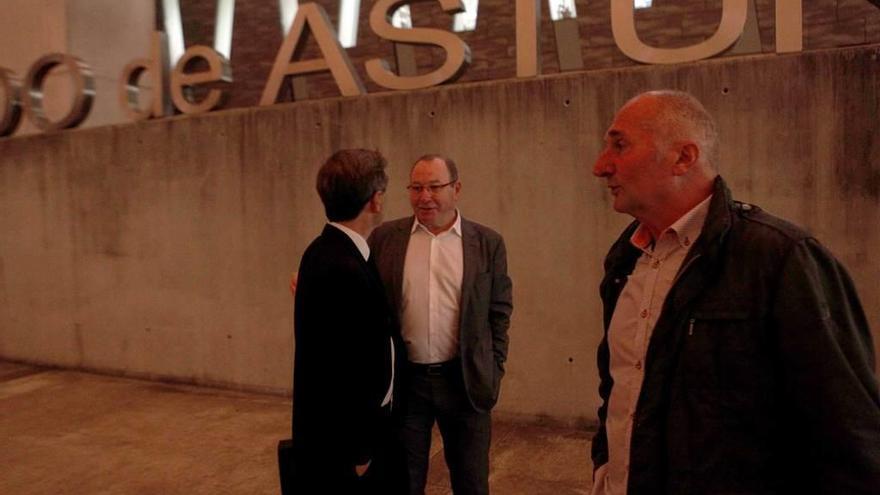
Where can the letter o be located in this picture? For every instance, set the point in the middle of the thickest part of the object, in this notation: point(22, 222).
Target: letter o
point(83, 90)
point(10, 111)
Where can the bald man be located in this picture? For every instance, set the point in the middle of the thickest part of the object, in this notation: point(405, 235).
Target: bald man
point(736, 356)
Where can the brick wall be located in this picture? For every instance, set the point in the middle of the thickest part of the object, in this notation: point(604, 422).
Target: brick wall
point(669, 23)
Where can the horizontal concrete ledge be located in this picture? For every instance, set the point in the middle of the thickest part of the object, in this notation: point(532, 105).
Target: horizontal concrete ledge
point(13, 369)
point(27, 367)
point(468, 86)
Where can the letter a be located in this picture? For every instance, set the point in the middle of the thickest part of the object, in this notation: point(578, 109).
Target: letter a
point(458, 54)
point(335, 60)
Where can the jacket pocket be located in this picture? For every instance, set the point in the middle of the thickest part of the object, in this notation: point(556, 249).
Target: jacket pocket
point(721, 332)
point(496, 379)
point(724, 361)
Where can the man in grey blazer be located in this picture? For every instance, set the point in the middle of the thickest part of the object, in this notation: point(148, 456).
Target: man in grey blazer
point(446, 279)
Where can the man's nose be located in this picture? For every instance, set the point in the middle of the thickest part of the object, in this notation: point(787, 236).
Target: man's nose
point(602, 167)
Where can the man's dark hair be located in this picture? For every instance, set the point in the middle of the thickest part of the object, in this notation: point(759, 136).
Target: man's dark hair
point(348, 180)
point(450, 165)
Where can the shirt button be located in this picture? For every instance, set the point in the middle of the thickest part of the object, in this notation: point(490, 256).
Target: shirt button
point(655, 264)
point(687, 241)
point(644, 313)
point(638, 365)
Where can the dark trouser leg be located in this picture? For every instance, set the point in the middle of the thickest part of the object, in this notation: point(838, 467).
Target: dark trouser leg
point(322, 472)
point(415, 431)
point(387, 474)
point(466, 437)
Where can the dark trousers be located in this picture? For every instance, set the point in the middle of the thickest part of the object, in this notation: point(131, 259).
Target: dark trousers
point(320, 469)
point(437, 393)
point(321, 472)
point(387, 474)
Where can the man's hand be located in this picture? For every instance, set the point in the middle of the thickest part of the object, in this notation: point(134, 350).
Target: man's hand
point(360, 469)
point(293, 277)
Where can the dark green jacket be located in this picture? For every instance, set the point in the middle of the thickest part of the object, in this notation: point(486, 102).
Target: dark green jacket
point(759, 375)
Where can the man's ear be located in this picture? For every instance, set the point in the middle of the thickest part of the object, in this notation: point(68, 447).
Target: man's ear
point(376, 201)
point(688, 156)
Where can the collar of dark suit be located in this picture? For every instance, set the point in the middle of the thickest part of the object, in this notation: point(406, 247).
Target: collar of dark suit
point(359, 242)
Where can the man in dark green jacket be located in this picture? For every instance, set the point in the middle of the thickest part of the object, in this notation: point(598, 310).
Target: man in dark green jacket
point(736, 357)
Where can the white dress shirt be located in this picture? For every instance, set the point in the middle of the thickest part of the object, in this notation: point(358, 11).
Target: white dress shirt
point(364, 248)
point(359, 242)
point(637, 311)
point(432, 275)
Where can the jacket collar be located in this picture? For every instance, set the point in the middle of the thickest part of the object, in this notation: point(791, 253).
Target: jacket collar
point(623, 255)
point(719, 219)
point(358, 240)
point(338, 235)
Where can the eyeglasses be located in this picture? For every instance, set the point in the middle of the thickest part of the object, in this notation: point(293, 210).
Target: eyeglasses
point(416, 189)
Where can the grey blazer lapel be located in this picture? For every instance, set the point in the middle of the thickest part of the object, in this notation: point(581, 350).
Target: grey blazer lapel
point(471, 259)
point(399, 243)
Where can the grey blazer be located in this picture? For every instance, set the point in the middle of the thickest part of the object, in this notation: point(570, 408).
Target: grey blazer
point(485, 306)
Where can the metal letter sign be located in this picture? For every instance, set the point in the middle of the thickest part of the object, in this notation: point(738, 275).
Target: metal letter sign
point(165, 52)
point(181, 80)
point(219, 68)
point(10, 109)
point(733, 19)
point(83, 91)
point(129, 92)
point(789, 26)
point(528, 38)
point(458, 54)
point(335, 60)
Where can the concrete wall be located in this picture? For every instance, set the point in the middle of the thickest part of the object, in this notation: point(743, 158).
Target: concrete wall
point(163, 249)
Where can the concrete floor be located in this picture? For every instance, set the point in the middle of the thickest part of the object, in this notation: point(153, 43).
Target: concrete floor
point(67, 432)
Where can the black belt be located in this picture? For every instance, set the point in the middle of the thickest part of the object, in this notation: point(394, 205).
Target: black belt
point(435, 369)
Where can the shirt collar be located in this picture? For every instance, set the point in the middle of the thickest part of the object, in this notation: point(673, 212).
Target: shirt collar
point(686, 229)
point(456, 226)
point(359, 242)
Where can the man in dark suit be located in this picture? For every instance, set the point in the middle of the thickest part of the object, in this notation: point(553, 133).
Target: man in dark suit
point(446, 279)
point(343, 327)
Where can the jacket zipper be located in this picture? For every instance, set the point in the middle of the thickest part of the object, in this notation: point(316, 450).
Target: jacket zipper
point(675, 280)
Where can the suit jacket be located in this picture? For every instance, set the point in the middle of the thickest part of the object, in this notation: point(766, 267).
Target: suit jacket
point(485, 306)
point(342, 359)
